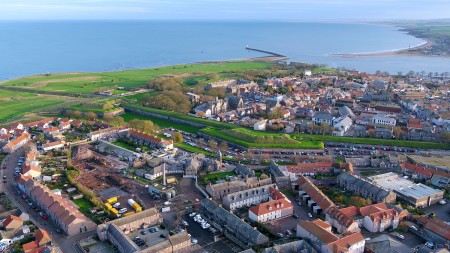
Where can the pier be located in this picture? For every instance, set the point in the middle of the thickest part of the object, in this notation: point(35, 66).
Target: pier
point(266, 52)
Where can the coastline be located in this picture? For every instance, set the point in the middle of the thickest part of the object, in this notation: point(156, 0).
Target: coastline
point(397, 52)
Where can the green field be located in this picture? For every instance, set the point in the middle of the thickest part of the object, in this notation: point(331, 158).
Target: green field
point(15, 107)
point(82, 83)
point(253, 139)
point(161, 122)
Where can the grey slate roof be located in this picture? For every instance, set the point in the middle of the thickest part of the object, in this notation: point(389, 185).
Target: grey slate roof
point(126, 243)
point(360, 183)
point(387, 244)
point(244, 171)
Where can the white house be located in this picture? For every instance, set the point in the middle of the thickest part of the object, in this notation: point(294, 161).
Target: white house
point(3, 131)
point(341, 127)
point(308, 72)
point(320, 117)
point(384, 120)
point(277, 207)
point(52, 145)
point(260, 125)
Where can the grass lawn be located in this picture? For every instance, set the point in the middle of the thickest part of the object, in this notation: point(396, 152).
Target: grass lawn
point(84, 205)
point(161, 122)
point(87, 82)
point(125, 145)
point(253, 139)
point(16, 107)
point(220, 175)
point(138, 97)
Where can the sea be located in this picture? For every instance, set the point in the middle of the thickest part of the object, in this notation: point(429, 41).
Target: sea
point(38, 47)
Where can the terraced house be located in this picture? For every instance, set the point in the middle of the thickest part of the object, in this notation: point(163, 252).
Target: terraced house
point(59, 209)
point(365, 189)
point(247, 197)
point(234, 228)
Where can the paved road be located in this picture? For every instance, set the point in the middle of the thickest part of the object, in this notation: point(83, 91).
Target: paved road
point(63, 243)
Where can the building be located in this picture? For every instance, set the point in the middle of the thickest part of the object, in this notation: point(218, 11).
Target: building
point(17, 143)
point(106, 133)
point(386, 244)
point(52, 145)
point(312, 196)
point(281, 175)
point(341, 127)
point(417, 195)
point(323, 117)
point(220, 190)
point(244, 171)
point(41, 241)
point(234, 228)
point(260, 125)
point(31, 170)
point(341, 221)
point(365, 189)
point(59, 209)
point(299, 246)
point(149, 140)
point(435, 230)
point(278, 207)
point(12, 222)
point(323, 240)
point(310, 169)
point(247, 197)
point(384, 120)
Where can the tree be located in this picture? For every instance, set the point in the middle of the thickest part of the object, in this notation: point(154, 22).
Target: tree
point(108, 117)
point(118, 121)
point(371, 132)
point(178, 137)
point(145, 126)
point(169, 100)
point(201, 114)
point(90, 115)
point(212, 144)
point(77, 114)
point(397, 132)
point(324, 127)
point(107, 106)
point(445, 137)
point(166, 83)
point(201, 143)
point(276, 113)
point(223, 147)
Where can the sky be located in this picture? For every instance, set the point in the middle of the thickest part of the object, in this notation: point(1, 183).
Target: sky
point(290, 10)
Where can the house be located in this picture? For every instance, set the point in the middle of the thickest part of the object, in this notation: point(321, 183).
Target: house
point(313, 196)
point(31, 170)
point(65, 125)
point(244, 171)
point(59, 209)
point(51, 130)
point(435, 230)
point(342, 126)
point(365, 189)
point(12, 222)
point(41, 240)
point(260, 125)
point(17, 143)
point(5, 138)
point(149, 140)
point(323, 240)
point(52, 145)
point(379, 217)
point(323, 117)
point(384, 120)
point(3, 131)
point(416, 171)
point(231, 225)
point(155, 172)
point(345, 111)
point(248, 197)
point(299, 246)
point(278, 207)
point(281, 175)
point(106, 133)
point(386, 244)
point(310, 169)
point(220, 190)
point(341, 220)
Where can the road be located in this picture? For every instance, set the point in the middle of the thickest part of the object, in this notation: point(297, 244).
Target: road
point(63, 243)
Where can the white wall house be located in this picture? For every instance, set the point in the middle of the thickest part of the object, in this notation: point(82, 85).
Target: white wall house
point(384, 120)
point(342, 126)
point(260, 125)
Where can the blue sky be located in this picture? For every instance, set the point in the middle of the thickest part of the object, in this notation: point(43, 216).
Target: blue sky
point(225, 9)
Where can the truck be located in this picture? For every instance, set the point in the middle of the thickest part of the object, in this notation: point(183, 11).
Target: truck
point(112, 200)
point(108, 206)
point(128, 214)
point(114, 211)
point(135, 205)
point(165, 209)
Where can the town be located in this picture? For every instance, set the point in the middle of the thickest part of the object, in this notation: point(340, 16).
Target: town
point(317, 160)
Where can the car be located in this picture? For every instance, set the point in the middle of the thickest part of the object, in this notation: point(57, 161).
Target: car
point(414, 227)
point(44, 217)
point(401, 236)
point(184, 223)
point(4, 177)
point(162, 235)
point(280, 235)
point(143, 232)
point(310, 215)
point(23, 196)
point(152, 230)
point(429, 245)
point(288, 232)
point(390, 230)
point(368, 239)
point(194, 241)
point(123, 210)
point(4, 181)
point(192, 214)
point(116, 205)
point(4, 167)
point(300, 203)
point(442, 202)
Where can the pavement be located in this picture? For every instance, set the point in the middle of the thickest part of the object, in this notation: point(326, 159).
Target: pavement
point(61, 242)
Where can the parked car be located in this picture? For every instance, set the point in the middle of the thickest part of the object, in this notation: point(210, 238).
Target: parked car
point(143, 232)
point(401, 236)
point(310, 215)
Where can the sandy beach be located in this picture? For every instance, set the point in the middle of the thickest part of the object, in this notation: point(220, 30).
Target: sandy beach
point(400, 52)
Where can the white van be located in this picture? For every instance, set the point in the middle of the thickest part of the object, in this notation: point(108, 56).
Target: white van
point(123, 210)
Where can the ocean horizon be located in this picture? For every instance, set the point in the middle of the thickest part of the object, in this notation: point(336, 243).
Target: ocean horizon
point(39, 47)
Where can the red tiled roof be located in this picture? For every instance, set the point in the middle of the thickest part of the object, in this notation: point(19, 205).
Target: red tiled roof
point(439, 227)
point(10, 219)
point(29, 246)
point(271, 206)
point(341, 217)
point(17, 140)
point(51, 144)
point(417, 169)
point(344, 243)
point(317, 195)
point(276, 194)
point(310, 167)
point(42, 236)
point(319, 229)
